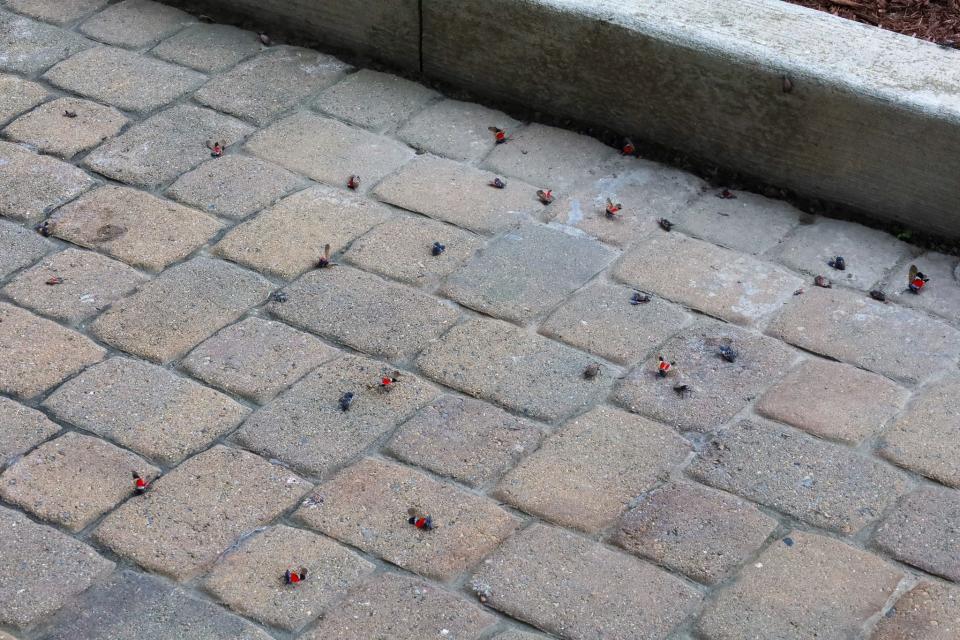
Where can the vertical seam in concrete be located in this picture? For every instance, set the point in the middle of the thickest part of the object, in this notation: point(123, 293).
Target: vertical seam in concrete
point(420, 33)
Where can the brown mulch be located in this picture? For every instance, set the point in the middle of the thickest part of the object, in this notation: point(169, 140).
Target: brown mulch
point(934, 20)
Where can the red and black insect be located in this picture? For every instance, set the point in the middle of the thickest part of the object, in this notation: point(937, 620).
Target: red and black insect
point(639, 298)
point(140, 485)
point(665, 224)
point(437, 249)
point(499, 135)
point(45, 228)
point(419, 519)
point(346, 400)
point(324, 260)
point(216, 148)
point(613, 209)
point(663, 367)
point(387, 383)
point(353, 182)
point(628, 148)
point(878, 295)
point(917, 280)
point(54, 280)
point(295, 576)
point(727, 353)
point(545, 196)
point(726, 194)
point(838, 263)
point(823, 281)
point(498, 183)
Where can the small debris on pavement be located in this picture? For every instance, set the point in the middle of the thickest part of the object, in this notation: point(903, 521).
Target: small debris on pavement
point(216, 148)
point(798, 292)
point(592, 371)
point(726, 194)
point(665, 224)
point(788, 541)
point(293, 577)
point(499, 135)
point(728, 353)
point(482, 589)
point(639, 298)
point(628, 148)
point(545, 196)
point(498, 183)
point(663, 367)
point(787, 84)
point(613, 208)
point(838, 263)
point(419, 519)
point(69, 114)
point(324, 260)
point(265, 39)
point(681, 388)
point(45, 228)
point(278, 296)
point(346, 400)
point(822, 281)
point(878, 295)
point(353, 182)
point(437, 249)
point(917, 280)
point(140, 485)
point(54, 280)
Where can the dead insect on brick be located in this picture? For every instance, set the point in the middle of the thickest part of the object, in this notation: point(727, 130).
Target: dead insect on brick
point(69, 113)
point(324, 260)
point(664, 367)
point(45, 228)
point(499, 135)
point(917, 280)
point(278, 296)
point(592, 371)
point(346, 400)
point(799, 292)
point(295, 576)
point(628, 148)
point(878, 295)
point(545, 196)
point(54, 280)
point(353, 183)
point(665, 224)
point(681, 388)
point(726, 194)
point(498, 183)
point(140, 485)
point(639, 298)
point(822, 281)
point(387, 383)
point(216, 148)
point(787, 84)
point(613, 209)
point(265, 39)
point(838, 263)
point(727, 353)
point(437, 249)
point(419, 519)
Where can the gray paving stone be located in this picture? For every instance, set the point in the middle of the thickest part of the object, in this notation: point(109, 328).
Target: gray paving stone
point(833, 401)
point(39, 354)
point(209, 48)
point(502, 363)
point(526, 272)
point(249, 579)
point(374, 100)
point(21, 429)
point(699, 532)
point(457, 130)
point(133, 226)
point(49, 131)
point(306, 428)
point(886, 338)
point(29, 47)
point(940, 296)
point(402, 608)
point(827, 485)
point(134, 606)
point(90, 283)
point(234, 186)
point(195, 512)
point(21, 247)
point(278, 79)
point(41, 569)
point(459, 194)
point(578, 589)
point(366, 504)
point(833, 589)
point(365, 312)
point(18, 95)
point(519, 635)
point(717, 389)
point(922, 531)
point(56, 12)
point(179, 309)
point(96, 476)
point(136, 23)
point(288, 239)
point(146, 408)
point(728, 285)
point(586, 474)
point(468, 440)
point(929, 611)
point(327, 150)
point(123, 79)
point(164, 146)
point(31, 185)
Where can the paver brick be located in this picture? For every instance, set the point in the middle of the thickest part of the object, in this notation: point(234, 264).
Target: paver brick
point(699, 532)
point(886, 338)
point(732, 286)
point(39, 354)
point(922, 531)
point(262, 88)
point(73, 480)
point(929, 611)
point(578, 589)
point(133, 226)
point(31, 184)
point(21, 247)
point(30, 47)
point(366, 504)
point(49, 131)
point(468, 440)
point(816, 587)
point(456, 130)
point(519, 635)
point(257, 358)
point(90, 283)
point(249, 579)
point(374, 100)
point(288, 238)
point(459, 194)
point(146, 408)
point(209, 48)
point(136, 23)
point(18, 95)
point(833, 401)
point(167, 144)
point(41, 569)
point(502, 363)
point(827, 485)
point(586, 474)
point(526, 272)
point(716, 389)
point(402, 608)
point(123, 79)
point(234, 186)
point(21, 429)
point(940, 296)
point(306, 428)
point(56, 12)
point(179, 309)
point(195, 512)
point(327, 150)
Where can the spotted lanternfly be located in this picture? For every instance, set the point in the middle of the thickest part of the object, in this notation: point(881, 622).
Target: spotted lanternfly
point(353, 182)
point(787, 84)
point(216, 148)
point(387, 383)
point(498, 183)
point(592, 371)
point(628, 148)
point(324, 260)
point(278, 296)
point(613, 208)
point(727, 353)
point(437, 249)
point(726, 194)
point(346, 400)
point(917, 280)
point(55, 280)
point(45, 228)
point(140, 485)
point(639, 298)
point(419, 519)
point(681, 388)
point(293, 577)
point(499, 135)
point(663, 367)
point(265, 39)
point(878, 295)
point(545, 196)
point(69, 114)
point(822, 281)
point(838, 263)
point(665, 224)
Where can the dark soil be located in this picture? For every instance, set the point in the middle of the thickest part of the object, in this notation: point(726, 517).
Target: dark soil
point(934, 20)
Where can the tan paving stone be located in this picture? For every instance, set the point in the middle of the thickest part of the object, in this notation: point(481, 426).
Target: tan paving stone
point(31, 185)
point(586, 474)
point(21, 429)
point(209, 48)
point(49, 131)
point(578, 589)
point(249, 579)
point(519, 635)
point(456, 130)
point(179, 309)
point(136, 23)
point(73, 480)
point(56, 12)
point(39, 354)
point(29, 47)
point(21, 247)
point(306, 428)
point(815, 588)
point(929, 611)
point(374, 100)
point(17, 96)
point(922, 531)
point(940, 296)
point(366, 504)
point(195, 512)
point(146, 408)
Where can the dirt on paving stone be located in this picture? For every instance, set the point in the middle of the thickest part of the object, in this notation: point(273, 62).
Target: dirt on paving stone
point(934, 20)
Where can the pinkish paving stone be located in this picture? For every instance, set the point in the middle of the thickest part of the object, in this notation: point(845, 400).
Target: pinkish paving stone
point(21, 429)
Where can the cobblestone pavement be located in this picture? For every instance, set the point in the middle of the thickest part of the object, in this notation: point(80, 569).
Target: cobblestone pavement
point(175, 323)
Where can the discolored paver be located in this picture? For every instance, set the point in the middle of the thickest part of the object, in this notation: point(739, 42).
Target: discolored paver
point(50, 131)
point(374, 100)
point(56, 12)
point(29, 47)
point(922, 531)
point(306, 428)
point(366, 504)
point(17, 96)
point(699, 532)
point(31, 185)
point(180, 308)
point(585, 475)
point(750, 223)
point(249, 579)
point(816, 587)
point(929, 611)
point(193, 513)
point(940, 296)
point(209, 48)
point(146, 408)
point(136, 23)
point(456, 130)
point(91, 477)
point(22, 247)
point(21, 429)
point(578, 589)
point(30, 589)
